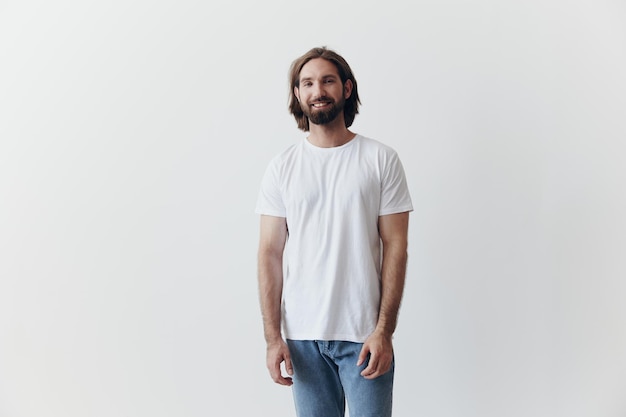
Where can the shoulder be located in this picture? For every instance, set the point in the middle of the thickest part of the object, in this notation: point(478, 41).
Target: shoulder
point(286, 155)
point(375, 145)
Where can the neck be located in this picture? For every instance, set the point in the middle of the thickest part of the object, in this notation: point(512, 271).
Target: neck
point(330, 135)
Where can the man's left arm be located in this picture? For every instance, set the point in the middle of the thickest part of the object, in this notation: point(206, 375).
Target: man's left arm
point(393, 229)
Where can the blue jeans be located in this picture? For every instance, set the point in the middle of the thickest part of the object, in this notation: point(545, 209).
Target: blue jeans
point(325, 375)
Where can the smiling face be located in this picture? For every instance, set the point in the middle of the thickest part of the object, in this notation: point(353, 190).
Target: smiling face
point(321, 93)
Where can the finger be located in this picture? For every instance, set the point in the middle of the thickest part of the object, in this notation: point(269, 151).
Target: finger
point(383, 366)
point(278, 378)
point(371, 366)
point(284, 381)
point(288, 365)
point(363, 355)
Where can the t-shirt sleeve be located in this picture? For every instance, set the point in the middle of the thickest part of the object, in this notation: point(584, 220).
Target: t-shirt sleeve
point(270, 201)
point(395, 197)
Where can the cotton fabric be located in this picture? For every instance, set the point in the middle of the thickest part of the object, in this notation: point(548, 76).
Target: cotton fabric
point(331, 199)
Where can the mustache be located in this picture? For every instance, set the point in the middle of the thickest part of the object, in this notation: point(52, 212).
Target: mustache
point(322, 99)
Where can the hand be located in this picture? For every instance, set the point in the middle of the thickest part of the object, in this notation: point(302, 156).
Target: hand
point(278, 352)
point(380, 349)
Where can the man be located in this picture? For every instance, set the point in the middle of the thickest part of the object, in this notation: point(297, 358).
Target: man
point(337, 205)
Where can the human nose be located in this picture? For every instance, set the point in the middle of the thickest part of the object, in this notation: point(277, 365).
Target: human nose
point(318, 90)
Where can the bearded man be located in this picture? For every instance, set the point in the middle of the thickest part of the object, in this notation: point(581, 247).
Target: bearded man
point(333, 250)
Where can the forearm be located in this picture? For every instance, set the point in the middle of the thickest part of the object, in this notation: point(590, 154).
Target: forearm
point(392, 286)
point(379, 345)
point(394, 236)
point(273, 235)
point(270, 292)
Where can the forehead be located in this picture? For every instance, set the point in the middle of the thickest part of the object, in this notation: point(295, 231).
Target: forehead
point(318, 67)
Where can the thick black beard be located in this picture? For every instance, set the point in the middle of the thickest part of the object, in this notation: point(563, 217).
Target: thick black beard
point(326, 116)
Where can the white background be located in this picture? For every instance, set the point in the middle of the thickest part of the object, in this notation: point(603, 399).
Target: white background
point(132, 140)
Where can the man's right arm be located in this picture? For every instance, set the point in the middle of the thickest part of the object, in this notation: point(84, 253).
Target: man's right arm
point(273, 236)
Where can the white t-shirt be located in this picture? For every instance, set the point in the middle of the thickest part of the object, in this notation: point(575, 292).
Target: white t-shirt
point(331, 199)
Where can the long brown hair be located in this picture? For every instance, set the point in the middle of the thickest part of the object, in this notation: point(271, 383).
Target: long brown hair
point(351, 108)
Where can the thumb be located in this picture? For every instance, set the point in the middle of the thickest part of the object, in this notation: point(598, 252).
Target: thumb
point(288, 365)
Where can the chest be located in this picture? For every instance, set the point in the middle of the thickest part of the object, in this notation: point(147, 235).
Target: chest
point(316, 183)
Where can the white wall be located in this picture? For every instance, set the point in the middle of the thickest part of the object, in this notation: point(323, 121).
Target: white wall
point(132, 139)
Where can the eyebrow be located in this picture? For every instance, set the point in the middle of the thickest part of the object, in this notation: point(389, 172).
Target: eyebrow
point(323, 77)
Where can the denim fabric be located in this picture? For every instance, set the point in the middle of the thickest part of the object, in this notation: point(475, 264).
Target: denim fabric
point(326, 375)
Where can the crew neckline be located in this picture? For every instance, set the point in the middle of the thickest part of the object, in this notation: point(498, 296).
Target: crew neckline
point(332, 148)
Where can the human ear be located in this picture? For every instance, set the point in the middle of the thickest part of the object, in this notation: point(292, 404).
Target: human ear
point(347, 89)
